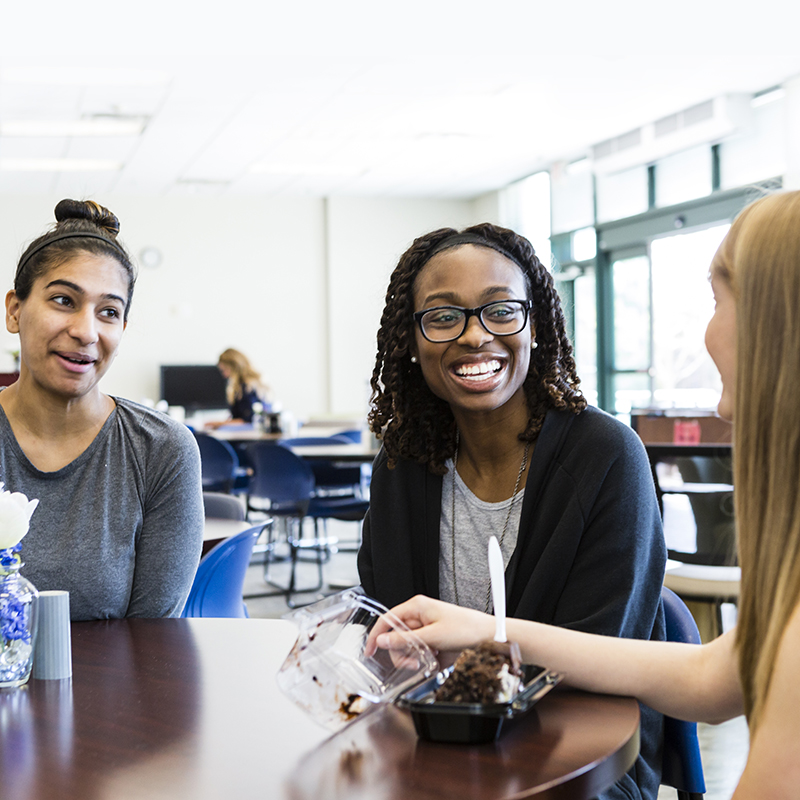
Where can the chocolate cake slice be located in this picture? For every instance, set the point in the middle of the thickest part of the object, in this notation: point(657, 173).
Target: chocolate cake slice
point(480, 675)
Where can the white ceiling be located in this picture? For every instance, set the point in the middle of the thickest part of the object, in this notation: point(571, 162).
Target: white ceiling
point(444, 99)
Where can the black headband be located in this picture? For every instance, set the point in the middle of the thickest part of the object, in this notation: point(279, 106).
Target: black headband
point(71, 235)
point(458, 239)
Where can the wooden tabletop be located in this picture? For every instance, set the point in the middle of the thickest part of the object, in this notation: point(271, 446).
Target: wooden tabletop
point(189, 708)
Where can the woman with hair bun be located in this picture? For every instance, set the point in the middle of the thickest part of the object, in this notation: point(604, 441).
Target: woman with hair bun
point(120, 519)
point(485, 432)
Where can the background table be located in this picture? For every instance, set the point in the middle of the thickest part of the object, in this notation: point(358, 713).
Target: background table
point(190, 708)
point(356, 452)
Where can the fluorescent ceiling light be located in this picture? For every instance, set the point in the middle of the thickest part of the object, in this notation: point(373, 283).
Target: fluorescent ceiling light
point(768, 96)
point(308, 170)
point(58, 165)
point(95, 126)
point(50, 76)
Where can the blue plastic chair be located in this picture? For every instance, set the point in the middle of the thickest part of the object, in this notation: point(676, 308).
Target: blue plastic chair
point(332, 478)
point(315, 441)
point(283, 485)
point(681, 766)
point(218, 463)
point(354, 435)
point(217, 587)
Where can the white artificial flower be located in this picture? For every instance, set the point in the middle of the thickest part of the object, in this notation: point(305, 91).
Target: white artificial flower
point(15, 517)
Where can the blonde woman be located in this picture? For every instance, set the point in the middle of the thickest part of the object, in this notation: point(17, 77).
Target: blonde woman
point(754, 339)
point(244, 385)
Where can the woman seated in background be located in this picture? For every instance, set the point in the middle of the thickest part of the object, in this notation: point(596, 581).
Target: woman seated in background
point(485, 432)
point(120, 518)
point(754, 339)
point(244, 388)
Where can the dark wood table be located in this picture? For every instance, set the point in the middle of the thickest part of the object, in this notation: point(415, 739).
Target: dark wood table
point(189, 708)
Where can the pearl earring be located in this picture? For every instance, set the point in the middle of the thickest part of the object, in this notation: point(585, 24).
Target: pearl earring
point(534, 344)
point(413, 359)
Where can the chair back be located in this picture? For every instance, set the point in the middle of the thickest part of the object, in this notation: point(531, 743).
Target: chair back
point(331, 477)
point(315, 441)
point(681, 767)
point(217, 587)
point(280, 477)
point(223, 506)
point(218, 463)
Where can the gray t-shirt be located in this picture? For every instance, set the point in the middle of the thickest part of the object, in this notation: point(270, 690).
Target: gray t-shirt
point(476, 522)
point(121, 527)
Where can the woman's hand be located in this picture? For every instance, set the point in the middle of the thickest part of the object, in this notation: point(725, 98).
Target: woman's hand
point(442, 626)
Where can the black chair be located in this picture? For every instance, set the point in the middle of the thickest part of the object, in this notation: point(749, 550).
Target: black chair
point(681, 766)
point(708, 576)
point(218, 462)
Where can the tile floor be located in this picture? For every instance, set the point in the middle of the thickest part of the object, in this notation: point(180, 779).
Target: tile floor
point(723, 747)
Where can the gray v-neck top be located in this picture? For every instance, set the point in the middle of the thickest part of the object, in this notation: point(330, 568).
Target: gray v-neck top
point(476, 522)
point(120, 527)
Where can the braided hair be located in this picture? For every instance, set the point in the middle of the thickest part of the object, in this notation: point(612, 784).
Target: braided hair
point(411, 420)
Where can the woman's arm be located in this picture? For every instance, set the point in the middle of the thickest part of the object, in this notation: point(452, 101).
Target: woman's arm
point(169, 545)
point(681, 680)
point(773, 768)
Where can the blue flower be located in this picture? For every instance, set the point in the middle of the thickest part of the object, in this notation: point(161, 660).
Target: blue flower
point(13, 617)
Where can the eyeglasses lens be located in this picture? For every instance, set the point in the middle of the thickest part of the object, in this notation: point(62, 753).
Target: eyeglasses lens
point(503, 318)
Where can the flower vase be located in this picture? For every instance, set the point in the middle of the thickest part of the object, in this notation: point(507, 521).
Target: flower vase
point(18, 617)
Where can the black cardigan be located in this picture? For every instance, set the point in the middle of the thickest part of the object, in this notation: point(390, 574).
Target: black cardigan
point(590, 553)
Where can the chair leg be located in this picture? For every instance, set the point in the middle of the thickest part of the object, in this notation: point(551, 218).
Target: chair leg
point(295, 552)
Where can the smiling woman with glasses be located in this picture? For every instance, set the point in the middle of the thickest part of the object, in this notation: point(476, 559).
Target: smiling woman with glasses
point(485, 432)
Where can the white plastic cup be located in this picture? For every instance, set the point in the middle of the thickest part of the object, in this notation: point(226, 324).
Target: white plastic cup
point(52, 654)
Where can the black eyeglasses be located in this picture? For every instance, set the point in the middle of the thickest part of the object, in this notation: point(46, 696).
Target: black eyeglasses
point(447, 323)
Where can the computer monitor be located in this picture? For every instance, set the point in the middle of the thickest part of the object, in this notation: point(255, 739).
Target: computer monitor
point(195, 387)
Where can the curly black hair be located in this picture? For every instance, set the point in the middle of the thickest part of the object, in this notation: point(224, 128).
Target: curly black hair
point(411, 420)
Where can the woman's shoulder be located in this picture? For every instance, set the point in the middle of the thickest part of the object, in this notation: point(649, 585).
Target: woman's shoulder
point(598, 426)
point(153, 426)
point(402, 471)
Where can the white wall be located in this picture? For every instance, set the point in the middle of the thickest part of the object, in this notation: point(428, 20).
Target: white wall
point(296, 283)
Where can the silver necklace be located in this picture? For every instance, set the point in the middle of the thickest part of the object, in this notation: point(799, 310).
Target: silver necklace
point(505, 525)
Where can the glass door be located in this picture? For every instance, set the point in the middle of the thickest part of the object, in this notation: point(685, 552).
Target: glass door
point(661, 303)
point(684, 376)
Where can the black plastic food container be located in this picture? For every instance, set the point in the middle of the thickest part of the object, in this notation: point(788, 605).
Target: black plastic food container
point(471, 723)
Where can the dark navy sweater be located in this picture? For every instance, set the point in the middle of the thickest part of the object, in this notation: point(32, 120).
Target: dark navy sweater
point(590, 553)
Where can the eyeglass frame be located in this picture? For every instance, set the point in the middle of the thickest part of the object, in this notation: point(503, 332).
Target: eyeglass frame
point(526, 305)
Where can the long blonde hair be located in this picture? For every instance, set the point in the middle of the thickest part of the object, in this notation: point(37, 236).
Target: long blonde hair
point(761, 259)
point(243, 377)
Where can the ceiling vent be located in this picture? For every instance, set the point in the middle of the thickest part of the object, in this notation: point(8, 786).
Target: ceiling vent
point(704, 123)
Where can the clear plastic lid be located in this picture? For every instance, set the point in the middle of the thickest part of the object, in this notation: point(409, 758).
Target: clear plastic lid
point(328, 674)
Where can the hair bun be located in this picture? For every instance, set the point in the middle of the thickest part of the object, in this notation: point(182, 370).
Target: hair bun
point(91, 212)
